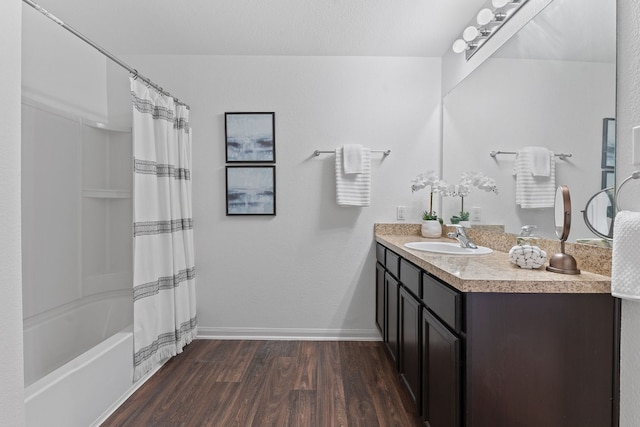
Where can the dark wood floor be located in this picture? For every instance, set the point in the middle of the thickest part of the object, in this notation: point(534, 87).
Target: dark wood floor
point(272, 383)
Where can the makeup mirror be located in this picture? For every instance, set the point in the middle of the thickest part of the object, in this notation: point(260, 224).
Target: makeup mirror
point(561, 262)
point(598, 213)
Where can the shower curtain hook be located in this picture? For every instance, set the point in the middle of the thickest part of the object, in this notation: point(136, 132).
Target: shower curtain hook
point(135, 74)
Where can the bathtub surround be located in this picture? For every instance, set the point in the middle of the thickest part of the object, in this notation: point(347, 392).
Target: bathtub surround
point(164, 299)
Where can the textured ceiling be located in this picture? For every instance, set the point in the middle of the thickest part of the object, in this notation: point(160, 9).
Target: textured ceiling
point(270, 27)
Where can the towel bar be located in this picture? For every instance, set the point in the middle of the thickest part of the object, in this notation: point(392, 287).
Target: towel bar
point(562, 156)
point(634, 175)
point(318, 152)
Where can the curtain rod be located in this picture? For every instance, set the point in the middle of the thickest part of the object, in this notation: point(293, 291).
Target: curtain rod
point(100, 49)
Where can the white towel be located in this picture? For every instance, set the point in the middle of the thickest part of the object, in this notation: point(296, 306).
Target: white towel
point(352, 158)
point(353, 189)
point(625, 270)
point(540, 159)
point(534, 191)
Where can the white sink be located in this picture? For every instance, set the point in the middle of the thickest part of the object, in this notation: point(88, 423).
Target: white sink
point(447, 248)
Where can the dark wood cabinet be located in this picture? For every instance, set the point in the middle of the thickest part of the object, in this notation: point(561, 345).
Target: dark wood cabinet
point(409, 331)
point(380, 299)
point(541, 360)
point(441, 371)
point(391, 286)
point(499, 359)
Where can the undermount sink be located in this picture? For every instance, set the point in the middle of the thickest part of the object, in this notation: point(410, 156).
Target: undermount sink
point(447, 248)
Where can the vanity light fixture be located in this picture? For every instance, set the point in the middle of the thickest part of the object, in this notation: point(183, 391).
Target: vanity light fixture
point(489, 22)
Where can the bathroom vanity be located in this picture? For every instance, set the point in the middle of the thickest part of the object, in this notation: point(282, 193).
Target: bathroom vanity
point(480, 342)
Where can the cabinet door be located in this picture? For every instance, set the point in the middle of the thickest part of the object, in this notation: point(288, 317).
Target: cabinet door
point(391, 324)
point(380, 300)
point(410, 344)
point(441, 389)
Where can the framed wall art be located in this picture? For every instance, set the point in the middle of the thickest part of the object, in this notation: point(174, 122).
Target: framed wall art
point(251, 190)
point(608, 143)
point(250, 137)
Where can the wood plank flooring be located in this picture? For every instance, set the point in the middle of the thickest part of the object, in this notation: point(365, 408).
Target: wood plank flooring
point(272, 383)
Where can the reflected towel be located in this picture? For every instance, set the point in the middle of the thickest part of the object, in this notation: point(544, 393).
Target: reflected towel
point(625, 270)
point(352, 158)
point(540, 161)
point(353, 189)
point(534, 191)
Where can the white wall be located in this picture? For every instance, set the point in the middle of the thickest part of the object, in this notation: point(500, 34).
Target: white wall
point(11, 383)
point(508, 104)
point(308, 271)
point(628, 116)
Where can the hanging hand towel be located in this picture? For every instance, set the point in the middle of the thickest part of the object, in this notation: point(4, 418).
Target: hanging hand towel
point(353, 189)
point(352, 158)
point(625, 271)
point(534, 191)
point(540, 159)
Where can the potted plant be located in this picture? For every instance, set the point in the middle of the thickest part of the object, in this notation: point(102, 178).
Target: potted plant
point(468, 180)
point(431, 224)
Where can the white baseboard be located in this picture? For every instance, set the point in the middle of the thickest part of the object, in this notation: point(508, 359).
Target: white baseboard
point(301, 334)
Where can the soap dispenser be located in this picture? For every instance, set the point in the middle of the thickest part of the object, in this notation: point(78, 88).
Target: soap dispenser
point(526, 236)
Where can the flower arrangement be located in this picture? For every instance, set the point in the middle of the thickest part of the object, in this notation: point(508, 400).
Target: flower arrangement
point(463, 188)
point(436, 185)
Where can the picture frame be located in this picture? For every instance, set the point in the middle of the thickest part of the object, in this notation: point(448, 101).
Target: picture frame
point(608, 143)
point(251, 190)
point(608, 179)
point(250, 137)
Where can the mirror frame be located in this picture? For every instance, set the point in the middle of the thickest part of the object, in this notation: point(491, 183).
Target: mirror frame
point(566, 213)
point(587, 222)
point(562, 262)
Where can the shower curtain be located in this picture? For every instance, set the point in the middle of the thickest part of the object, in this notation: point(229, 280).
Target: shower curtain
point(164, 298)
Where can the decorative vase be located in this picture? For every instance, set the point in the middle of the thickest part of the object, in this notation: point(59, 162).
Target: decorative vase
point(431, 228)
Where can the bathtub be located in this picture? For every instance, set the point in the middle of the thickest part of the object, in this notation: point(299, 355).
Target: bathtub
point(83, 388)
point(81, 391)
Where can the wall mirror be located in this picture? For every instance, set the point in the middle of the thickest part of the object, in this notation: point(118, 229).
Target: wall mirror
point(552, 85)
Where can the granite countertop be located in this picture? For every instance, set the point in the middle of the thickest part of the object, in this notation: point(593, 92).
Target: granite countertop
point(491, 272)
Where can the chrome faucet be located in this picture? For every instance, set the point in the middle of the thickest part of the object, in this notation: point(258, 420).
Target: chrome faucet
point(461, 236)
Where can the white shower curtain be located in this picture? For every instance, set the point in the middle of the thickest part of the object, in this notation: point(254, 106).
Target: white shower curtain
point(164, 298)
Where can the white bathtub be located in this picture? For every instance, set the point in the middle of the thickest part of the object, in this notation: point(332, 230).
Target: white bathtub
point(78, 393)
point(78, 360)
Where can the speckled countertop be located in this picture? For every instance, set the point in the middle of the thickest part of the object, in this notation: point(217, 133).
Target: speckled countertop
point(486, 273)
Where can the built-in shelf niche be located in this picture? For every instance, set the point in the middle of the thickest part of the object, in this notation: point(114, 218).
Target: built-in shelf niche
point(107, 208)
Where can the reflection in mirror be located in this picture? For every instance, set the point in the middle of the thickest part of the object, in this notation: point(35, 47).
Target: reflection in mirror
point(599, 213)
point(562, 221)
point(551, 85)
point(562, 262)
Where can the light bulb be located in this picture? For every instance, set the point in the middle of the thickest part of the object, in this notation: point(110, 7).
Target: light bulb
point(500, 3)
point(484, 16)
point(470, 33)
point(459, 46)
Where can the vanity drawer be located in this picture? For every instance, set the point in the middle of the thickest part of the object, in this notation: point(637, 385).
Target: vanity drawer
point(392, 262)
point(410, 277)
point(443, 301)
point(380, 250)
